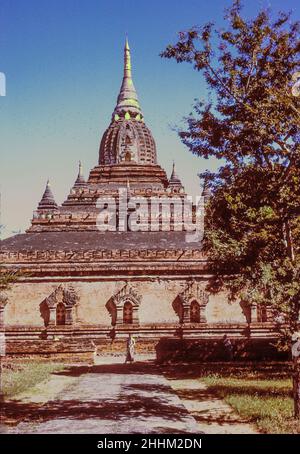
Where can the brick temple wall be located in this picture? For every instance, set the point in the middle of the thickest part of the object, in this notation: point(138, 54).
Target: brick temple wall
point(157, 297)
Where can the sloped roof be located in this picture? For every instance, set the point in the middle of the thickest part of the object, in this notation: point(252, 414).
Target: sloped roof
point(81, 241)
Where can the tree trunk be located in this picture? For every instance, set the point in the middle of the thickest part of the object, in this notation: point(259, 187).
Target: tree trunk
point(296, 387)
point(296, 364)
point(289, 240)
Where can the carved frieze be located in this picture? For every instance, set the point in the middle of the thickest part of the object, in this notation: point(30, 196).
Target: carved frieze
point(98, 255)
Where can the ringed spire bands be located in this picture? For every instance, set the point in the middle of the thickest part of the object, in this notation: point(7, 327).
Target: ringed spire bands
point(127, 103)
point(80, 181)
point(127, 140)
point(47, 201)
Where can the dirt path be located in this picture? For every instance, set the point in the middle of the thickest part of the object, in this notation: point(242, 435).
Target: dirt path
point(103, 399)
point(114, 398)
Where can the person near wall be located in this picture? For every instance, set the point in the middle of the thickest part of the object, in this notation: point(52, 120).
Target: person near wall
point(228, 347)
point(130, 349)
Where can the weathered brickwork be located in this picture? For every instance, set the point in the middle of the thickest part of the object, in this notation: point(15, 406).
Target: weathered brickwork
point(84, 290)
point(156, 306)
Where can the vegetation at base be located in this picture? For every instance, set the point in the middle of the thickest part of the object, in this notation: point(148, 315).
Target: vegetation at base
point(250, 122)
point(267, 402)
point(259, 392)
point(17, 378)
point(7, 277)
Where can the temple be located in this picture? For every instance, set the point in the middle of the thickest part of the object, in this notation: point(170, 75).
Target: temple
point(82, 281)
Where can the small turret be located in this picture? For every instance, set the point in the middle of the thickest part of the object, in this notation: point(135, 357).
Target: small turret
point(47, 202)
point(174, 182)
point(80, 181)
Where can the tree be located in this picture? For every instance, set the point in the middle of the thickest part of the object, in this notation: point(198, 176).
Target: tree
point(7, 278)
point(251, 123)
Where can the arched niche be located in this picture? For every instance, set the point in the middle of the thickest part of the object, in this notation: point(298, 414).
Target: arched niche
point(193, 300)
point(124, 307)
point(58, 307)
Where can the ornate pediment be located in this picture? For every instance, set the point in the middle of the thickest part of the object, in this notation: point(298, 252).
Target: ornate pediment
point(70, 297)
point(3, 299)
point(65, 295)
point(127, 293)
point(193, 291)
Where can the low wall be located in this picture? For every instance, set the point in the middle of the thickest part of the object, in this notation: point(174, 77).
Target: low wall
point(165, 349)
point(69, 351)
point(169, 342)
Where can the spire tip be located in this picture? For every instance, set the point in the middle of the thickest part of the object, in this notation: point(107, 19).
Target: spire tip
point(127, 102)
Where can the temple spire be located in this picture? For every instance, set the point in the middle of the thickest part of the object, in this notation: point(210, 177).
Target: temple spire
point(47, 202)
point(80, 181)
point(173, 175)
point(127, 104)
point(175, 182)
point(127, 60)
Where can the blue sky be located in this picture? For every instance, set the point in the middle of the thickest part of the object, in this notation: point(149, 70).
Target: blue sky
point(63, 65)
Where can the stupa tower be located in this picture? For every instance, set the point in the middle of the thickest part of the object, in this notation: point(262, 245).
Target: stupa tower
point(127, 159)
point(127, 139)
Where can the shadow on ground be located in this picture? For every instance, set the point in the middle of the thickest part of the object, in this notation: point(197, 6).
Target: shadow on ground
point(250, 370)
point(144, 400)
point(253, 370)
point(135, 405)
point(118, 368)
point(138, 399)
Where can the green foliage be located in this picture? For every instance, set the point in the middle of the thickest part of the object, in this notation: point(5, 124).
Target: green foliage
point(255, 117)
point(7, 276)
point(252, 124)
point(266, 402)
point(17, 378)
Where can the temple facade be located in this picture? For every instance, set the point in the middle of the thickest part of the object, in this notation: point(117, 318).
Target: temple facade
point(88, 274)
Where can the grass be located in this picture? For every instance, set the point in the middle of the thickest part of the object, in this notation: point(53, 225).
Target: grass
point(260, 392)
point(19, 377)
point(266, 401)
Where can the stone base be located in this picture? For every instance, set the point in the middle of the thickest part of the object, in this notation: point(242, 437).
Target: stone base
point(201, 342)
point(118, 347)
point(71, 352)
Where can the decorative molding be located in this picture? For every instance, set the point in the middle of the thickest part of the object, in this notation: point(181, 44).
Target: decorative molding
point(127, 293)
point(117, 302)
point(98, 256)
point(3, 299)
point(65, 295)
point(192, 292)
point(54, 298)
point(70, 297)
